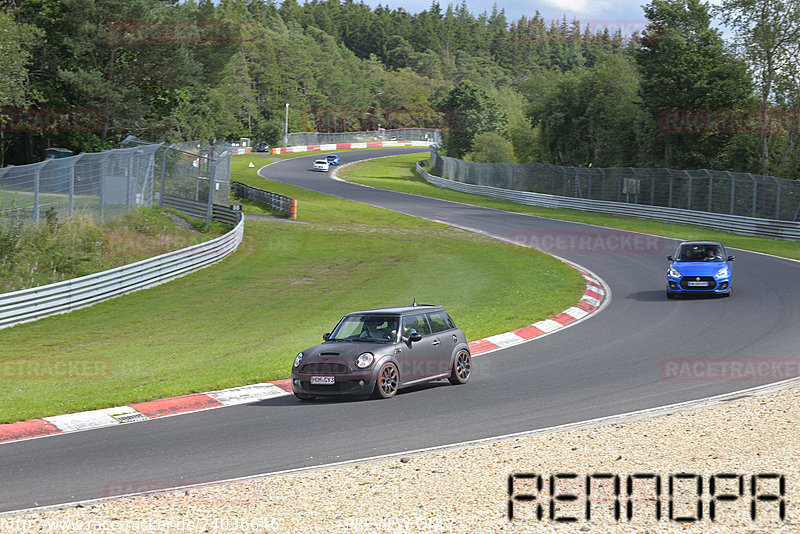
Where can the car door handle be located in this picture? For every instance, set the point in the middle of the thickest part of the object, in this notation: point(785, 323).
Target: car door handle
point(435, 342)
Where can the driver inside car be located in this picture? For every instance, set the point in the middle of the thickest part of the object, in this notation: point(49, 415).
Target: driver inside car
point(712, 255)
point(372, 331)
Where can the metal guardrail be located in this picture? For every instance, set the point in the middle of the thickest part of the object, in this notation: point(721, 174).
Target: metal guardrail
point(62, 297)
point(274, 201)
point(198, 209)
point(731, 223)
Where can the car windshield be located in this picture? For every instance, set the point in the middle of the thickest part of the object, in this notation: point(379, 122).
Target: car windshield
point(380, 328)
point(699, 252)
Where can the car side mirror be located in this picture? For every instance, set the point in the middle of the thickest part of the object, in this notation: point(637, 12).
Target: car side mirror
point(326, 336)
point(670, 258)
point(731, 258)
point(413, 337)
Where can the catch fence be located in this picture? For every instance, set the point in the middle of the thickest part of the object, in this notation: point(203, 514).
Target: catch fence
point(721, 192)
point(111, 183)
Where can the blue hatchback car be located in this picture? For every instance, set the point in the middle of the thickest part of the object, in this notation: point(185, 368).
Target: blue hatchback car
point(699, 267)
point(332, 159)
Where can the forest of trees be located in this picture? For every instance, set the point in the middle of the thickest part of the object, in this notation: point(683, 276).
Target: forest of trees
point(84, 74)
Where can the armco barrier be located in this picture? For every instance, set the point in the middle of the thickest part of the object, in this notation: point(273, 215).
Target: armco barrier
point(198, 209)
point(62, 297)
point(275, 201)
point(731, 223)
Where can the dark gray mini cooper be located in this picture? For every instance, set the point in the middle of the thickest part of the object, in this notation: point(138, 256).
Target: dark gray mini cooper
point(377, 352)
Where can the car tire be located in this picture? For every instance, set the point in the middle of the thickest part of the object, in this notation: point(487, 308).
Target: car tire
point(670, 295)
point(303, 396)
point(462, 368)
point(388, 381)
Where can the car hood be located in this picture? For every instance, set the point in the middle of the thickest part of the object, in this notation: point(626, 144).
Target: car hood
point(344, 350)
point(699, 268)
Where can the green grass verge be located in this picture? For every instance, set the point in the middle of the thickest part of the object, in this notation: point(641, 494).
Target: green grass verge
point(398, 174)
point(243, 320)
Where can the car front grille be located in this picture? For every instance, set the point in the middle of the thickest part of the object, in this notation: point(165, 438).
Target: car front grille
point(709, 279)
point(338, 387)
point(325, 369)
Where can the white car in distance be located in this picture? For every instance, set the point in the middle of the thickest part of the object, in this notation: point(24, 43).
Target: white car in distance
point(321, 165)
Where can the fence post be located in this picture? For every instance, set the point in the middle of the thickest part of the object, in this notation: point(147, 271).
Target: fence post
point(602, 185)
point(689, 191)
point(210, 206)
point(710, 188)
point(72, 189)
point(103, 159)
point(36, 177)
point(131, 191)
point(755, 193)
point(733, 190)
point(652, 189)
point(163, 174)
point(669, 202)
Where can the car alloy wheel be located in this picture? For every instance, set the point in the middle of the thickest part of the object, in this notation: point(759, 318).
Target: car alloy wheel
point(388, 381)
point(462, 368)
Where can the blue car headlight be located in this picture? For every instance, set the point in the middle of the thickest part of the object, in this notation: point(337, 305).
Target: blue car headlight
point(673, 273)
point(723, 273)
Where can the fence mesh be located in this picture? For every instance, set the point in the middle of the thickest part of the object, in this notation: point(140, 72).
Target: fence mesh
point(746, 194)
point(109, 184)
point(403, 134)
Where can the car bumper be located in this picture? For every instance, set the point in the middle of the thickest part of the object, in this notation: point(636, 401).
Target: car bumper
point(344, 385)
point(719, 286)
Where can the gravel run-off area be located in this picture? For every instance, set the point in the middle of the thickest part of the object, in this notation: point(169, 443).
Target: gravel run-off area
point(466, 488)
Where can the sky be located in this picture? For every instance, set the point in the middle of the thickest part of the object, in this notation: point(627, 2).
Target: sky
point(626, 15)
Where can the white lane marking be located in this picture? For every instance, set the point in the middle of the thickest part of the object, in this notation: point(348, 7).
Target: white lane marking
point(245, 394)
point(506, 339)
point(91, 419)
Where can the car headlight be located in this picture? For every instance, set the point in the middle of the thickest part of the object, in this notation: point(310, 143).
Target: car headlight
point(673, 272)
point(298, 359)
point(365, 359)
point(722, 273)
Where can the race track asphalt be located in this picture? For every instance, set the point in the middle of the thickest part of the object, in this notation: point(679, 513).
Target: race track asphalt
point(606, 365)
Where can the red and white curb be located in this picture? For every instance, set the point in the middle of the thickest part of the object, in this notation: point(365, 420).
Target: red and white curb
point(594, 296)
point(142, 411)
point(593, 299)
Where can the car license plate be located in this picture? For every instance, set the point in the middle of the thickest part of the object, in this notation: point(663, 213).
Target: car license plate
point(323, 380)
point(698, 284)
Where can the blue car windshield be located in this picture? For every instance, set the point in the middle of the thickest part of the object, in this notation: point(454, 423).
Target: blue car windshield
point(701, 253)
